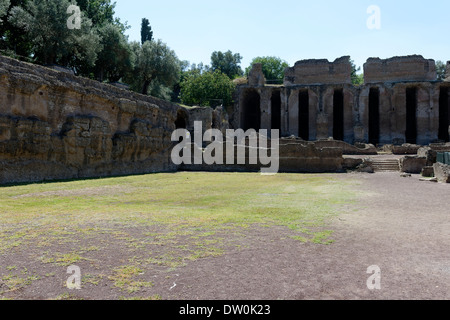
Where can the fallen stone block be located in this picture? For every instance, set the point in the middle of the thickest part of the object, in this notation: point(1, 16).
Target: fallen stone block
point(442, 172)
point(428, 172)
point(413, 164)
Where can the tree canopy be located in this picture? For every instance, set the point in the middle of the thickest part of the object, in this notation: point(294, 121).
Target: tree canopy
point(155, 63)
point(441, 68)
point(45, 22)
point(203, 88)
point(228, 63)
point(116, 58)
point(272, 67)
point(357, 79)
point(100, 12)
point(146, 31)
point(4, 6)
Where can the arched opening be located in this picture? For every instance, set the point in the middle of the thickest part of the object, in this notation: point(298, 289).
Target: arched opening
point(303, 115)
point(276, 110)
point(374, 116)
point(338, 114)
point(444, 115)
point(411, 115)
point(251, 111)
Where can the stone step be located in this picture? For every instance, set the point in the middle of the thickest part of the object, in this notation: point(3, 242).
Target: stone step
point(386, 165)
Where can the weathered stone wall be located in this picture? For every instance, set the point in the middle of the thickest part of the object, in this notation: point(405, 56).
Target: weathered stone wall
point(408, 68)
point(296, 156)
point(54, 125)
point(447, 72)
point(256, 76)
point(392, 102)
point(319, 71)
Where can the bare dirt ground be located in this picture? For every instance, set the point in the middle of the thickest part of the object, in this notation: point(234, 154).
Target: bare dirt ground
point(401, 225)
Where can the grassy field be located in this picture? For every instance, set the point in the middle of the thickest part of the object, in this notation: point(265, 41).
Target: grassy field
point(160, 220)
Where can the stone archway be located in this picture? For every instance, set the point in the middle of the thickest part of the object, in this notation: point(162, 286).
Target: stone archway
point(338, 114)
point(374, 116)
point(411, 115)
point(444, 114)
point(303, 114)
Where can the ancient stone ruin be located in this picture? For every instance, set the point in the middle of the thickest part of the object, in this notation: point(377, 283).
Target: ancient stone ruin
point(400, 102)
point(55, 125)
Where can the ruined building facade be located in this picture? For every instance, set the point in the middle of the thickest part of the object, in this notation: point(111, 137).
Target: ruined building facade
point(401, 101)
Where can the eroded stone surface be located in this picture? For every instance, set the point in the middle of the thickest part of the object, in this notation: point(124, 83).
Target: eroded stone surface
point(442, 172)
point(54, 125)
point(320, 71)
point(408, 68)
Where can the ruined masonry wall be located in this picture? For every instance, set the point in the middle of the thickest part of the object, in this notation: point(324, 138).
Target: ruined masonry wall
point(54, 125)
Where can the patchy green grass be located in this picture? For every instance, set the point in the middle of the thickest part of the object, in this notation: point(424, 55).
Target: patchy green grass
point(162, 220)
point(124, 278)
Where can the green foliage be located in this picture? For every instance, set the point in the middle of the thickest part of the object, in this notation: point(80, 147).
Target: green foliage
point(273, 67)
point(200, 88)
point(146, 31)
point(156, 65)
point(4, 6)
point(116, 59)
point(228, 63)
point(52, 42)
point(100, 12)
point(441, 69)
point(13, 39)
point(357, 79)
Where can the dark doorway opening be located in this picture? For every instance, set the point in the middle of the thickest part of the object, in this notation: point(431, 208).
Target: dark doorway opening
point(444, 115)
point(276, 110)
point(180, 122)
point(411, 115)
point(338, 114)
point(252, 111)
point(374, 116)
point(303, 115)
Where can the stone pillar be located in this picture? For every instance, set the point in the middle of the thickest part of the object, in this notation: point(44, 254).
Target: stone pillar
point(386, 114)
point(423, 115)
point(293, 113)
point(313, 111)
point(348, 116)
point(359, 133)
point(266, 114)
point(398, 120)
point(284, 113)
point(328, 103)
point(322, 126)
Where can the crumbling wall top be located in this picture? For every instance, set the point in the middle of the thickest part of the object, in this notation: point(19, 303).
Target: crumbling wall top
point(319, 71)
point(256, 76)
point(397, 69)
point(447, 73)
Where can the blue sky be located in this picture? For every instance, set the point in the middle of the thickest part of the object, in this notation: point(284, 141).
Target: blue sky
point(293, 30)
